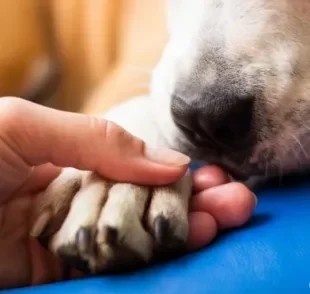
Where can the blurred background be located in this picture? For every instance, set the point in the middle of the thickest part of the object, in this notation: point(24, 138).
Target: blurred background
point(79, 55)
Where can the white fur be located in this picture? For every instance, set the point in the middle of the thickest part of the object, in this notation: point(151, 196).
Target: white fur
point(265, 38)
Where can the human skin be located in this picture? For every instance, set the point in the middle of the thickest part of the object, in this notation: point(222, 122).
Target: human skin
point(36, 142)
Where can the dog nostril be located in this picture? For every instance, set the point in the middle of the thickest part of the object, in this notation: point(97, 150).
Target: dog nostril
point(232, 122)
point(217, 118)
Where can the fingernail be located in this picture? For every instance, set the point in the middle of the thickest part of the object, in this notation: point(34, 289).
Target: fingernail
point(255, 199)
point(166, 157)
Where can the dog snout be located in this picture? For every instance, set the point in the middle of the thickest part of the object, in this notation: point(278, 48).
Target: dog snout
point(220, 118)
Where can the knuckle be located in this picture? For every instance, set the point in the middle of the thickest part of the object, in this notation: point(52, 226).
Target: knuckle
point(105, 128)
point(117, 137)
point(115, 140)
point(112, 131)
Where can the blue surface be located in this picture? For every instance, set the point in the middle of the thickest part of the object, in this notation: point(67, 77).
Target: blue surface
point(270, 254)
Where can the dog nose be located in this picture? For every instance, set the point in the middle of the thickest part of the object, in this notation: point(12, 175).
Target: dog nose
point(225, 120)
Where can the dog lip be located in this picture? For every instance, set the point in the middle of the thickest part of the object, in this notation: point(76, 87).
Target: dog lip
point(233, 170)
point(236, 173)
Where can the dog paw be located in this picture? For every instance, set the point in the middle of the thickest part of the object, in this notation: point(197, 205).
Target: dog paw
point(99, 226)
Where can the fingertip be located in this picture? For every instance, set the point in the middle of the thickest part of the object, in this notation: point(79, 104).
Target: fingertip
point(231, 204)
point(241, 206)
point(202, 230)
point(209, 176)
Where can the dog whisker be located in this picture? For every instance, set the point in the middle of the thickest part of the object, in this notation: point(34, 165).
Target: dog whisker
point(306, 126)
point(300, 145)
point(296, 153)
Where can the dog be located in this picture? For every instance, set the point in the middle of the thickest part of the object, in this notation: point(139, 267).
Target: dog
point(232, 88)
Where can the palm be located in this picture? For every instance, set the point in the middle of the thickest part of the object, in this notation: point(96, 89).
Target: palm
point(23, 260)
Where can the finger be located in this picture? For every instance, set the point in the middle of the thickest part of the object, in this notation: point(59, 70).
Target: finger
point(40, 135)
point(209, 176)
point(231, 204)
point(202, 230)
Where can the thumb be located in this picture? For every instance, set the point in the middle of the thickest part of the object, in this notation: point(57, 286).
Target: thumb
point(40, 135)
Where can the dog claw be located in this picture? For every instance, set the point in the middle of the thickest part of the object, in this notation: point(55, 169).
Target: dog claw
point(165, 236)
point(108, 235)
point(161, 230)
point(85, 241)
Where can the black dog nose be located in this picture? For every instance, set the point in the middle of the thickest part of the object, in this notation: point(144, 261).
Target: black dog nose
point(225, 120)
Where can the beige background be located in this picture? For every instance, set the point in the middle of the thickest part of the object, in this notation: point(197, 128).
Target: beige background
point(92, 54)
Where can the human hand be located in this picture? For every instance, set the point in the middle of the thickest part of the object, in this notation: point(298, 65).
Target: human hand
point(35, 142)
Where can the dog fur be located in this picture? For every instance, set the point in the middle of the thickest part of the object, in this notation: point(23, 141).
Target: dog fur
point(257, 48)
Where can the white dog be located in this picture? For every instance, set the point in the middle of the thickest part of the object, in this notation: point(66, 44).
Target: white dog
point(232, 88)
